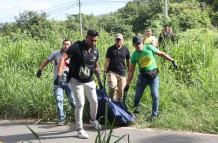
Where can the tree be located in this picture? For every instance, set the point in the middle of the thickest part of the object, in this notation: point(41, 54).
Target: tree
point(112, 24)
point(140, 13)
point(214, 10)
point(33, 23)
point(8, 29)
point(183, 14)
point(88, 21)
point(188, 15)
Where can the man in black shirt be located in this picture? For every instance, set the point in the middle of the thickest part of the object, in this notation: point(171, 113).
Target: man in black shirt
point(166, 36)
point(115, 66)
point(83, 64)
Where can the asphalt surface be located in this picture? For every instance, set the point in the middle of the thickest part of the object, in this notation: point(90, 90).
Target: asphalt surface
point(17, 132)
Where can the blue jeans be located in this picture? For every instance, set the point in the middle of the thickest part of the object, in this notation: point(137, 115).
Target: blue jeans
point(59, 96)
point(154, 87)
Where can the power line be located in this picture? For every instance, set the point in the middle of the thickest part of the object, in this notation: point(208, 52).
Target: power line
point(61, 9)
point(68, 5)
point(79, 2)
point(59, 5)
point(109, 1)
point(58, 8)
point(106, 1)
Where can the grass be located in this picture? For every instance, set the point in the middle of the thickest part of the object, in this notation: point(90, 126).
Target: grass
point(188, 96)
point(106, 135)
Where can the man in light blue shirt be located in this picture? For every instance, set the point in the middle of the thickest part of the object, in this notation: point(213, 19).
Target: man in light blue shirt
point(64, 85)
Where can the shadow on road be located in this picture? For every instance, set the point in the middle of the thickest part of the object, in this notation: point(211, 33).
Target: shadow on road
point(172, 139)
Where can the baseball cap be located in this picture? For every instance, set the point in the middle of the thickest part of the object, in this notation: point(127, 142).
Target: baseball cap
point(92, 32)
point(136, 40)
point(119, 36)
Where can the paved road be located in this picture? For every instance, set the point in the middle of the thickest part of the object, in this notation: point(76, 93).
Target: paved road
point(17, 132)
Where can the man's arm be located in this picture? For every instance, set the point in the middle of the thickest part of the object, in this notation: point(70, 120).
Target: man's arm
point(43, 64)
point(164, 55)
point(161, 38)
point(106, 64)
point(41, 67)
point(97, 71)
point(61, 63)
point(167, 57)
point(155, 42)
point(128, 64)
point(97, 74)
point(129, 78)
point(130, 74)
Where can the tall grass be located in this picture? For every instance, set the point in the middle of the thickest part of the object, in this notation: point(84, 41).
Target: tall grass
point(22, 94)
point(188, 96)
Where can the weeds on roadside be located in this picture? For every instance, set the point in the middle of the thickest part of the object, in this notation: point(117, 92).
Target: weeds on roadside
point(106, 135)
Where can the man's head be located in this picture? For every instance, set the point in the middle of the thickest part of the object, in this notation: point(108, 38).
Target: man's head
point(119, 40)
point(166, 28)
point(148, 32)
point(137, 43)
point(66, 44)
point(91, 38)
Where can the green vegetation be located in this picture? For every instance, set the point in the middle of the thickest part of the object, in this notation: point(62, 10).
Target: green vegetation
point(188, 96)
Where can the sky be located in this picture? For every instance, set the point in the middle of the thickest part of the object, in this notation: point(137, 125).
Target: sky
point(57, 9)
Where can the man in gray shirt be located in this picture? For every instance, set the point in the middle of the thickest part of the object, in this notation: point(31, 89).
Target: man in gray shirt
point(63, 86)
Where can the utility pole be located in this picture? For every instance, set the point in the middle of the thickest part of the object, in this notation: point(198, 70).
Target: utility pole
point(166, 8)
point(80, 19)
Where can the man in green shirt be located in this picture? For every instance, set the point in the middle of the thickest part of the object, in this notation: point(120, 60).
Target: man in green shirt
point(144, 57)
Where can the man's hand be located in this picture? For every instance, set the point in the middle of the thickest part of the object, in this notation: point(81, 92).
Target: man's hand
point(57, 81)
point(39, 73)
point(126, 88)
point(174, 65)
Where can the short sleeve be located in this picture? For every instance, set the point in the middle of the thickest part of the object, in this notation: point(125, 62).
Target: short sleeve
point(108, 52)
point(97, 55)
point(127, 53)
point(133, 59)
point(153, 49)
point(154, 38)
point(51, 57)
point(70, 50)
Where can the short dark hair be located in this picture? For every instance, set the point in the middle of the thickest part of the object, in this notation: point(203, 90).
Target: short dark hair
point(136, 40)
point(92, 32)
point(66, 40)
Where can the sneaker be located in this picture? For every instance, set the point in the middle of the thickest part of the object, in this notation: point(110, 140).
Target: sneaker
point(153, 118)
point(82, 134)
point(61, 123)
point(96, 124)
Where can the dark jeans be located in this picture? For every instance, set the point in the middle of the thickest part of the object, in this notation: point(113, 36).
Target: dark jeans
point(154, 87)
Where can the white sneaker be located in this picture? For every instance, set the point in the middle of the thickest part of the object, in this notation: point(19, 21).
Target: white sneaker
point(96, 124)
point(82, 134)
